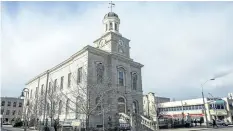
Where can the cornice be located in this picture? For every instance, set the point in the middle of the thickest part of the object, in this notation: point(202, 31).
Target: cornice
point(93, 50)
point(61, 64)
point(112, 34)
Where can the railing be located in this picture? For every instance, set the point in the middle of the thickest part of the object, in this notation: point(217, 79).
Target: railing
point(139, 121)
point(148, 123)
point(124, 117)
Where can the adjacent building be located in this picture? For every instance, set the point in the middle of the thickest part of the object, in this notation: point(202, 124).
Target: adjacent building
point(151, 102)
point(219, 108)
point(104, 76)
point(11, 108)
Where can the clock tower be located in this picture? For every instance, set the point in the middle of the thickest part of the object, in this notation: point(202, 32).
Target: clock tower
point(112, 40)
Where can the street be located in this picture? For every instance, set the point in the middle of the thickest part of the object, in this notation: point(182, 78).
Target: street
point(10, 128)
point(228, 128)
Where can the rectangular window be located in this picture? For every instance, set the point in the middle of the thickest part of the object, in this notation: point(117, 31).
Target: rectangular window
point(20, 104)
point(19, 113)
point(13, 113)
point(69, 79)
point(231, 106)
point(37, 88)
point(2, 111)
point(121, 78)
point(14, 104)
point(31, 94)
point(49, 90)
point(3, 103)
point(55, 85)
point(62, 79)
point(9, 103)
point(60, 107)
point(79, 75)
point(8, 112)
point(42, 90)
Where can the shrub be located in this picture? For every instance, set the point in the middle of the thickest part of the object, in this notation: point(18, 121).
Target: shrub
point(18, 123)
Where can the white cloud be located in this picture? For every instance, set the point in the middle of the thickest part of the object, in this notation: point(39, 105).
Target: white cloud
point(181, 46)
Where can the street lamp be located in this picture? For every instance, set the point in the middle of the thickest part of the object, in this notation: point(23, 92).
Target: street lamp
point(26, 90)
point(204, 101)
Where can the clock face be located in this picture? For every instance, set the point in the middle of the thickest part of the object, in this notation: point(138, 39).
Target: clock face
point(101, 43)
point(121, 43)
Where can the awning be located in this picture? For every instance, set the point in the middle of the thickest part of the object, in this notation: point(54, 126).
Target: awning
point(219, 102)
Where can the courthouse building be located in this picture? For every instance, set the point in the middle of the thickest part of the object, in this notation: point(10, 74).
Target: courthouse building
point(111, 79)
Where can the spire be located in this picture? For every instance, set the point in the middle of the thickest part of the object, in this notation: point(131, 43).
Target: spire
point(111, 5)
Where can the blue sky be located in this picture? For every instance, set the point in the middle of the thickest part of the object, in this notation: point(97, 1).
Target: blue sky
point(189, 41)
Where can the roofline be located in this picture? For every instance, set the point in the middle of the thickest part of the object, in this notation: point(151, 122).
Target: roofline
point(61, 64)
point(88, 47)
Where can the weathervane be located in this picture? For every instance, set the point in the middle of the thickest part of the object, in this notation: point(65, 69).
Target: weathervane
point(111, 5)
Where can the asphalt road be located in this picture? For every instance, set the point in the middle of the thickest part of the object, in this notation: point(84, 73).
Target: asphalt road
point(229, 128)
point(10, 128)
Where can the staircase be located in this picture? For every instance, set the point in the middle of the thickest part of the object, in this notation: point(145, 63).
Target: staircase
point(138, 122)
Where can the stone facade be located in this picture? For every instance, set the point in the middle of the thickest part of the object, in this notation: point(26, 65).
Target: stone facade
point(105, 72)
point(11, 108)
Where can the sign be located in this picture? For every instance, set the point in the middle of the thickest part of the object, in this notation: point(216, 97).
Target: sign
point(125, 126)
point(75, 123)
point(218, 112)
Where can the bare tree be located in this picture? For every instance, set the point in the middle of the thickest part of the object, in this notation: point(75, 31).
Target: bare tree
point(86, 97)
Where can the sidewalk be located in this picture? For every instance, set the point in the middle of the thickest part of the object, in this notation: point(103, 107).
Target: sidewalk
point(186, 129)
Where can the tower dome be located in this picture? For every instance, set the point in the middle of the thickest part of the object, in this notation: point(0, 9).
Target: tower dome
point(110, 14)
point(111, 23)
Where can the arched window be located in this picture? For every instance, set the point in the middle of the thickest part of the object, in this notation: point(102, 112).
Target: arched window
point(98, 104)
point(67, 105)
point(100, 72)
point(121, 100)
point(48, 107)
point(135, 107)
point(116, 27)
point(60, 107)
point(121, 76)
point(121, 105)
point(110, 28)
point(134, 81)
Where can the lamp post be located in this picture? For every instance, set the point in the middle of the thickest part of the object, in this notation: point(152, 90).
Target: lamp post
point(204, 101)
point(26, 90)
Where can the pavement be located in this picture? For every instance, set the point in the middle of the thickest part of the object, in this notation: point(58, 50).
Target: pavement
point(222, 128)
point(10, 128)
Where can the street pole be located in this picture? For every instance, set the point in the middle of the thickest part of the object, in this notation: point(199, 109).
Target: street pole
point(205, 110)
point(157, 111)
point(25, 90)
point(103, 111)
point(203, 98)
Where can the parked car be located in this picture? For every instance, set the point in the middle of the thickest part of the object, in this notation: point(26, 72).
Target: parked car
point(220, 122)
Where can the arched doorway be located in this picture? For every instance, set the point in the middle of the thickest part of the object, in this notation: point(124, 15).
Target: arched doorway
point(121, 105)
